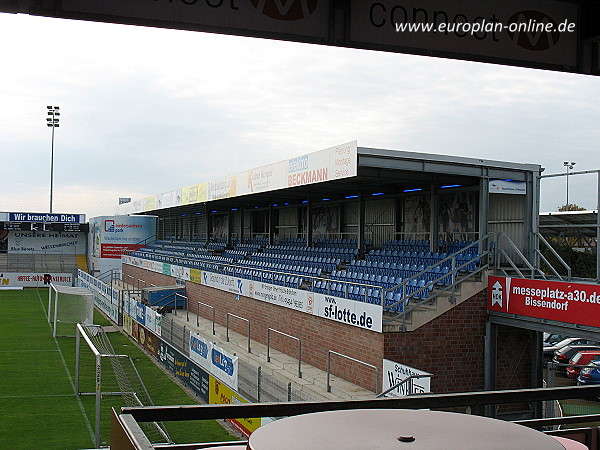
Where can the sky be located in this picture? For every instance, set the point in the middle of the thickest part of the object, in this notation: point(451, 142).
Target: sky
point(146, 111)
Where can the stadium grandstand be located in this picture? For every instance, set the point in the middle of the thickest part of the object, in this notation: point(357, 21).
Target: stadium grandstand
point(403, 238)
point(372, 273)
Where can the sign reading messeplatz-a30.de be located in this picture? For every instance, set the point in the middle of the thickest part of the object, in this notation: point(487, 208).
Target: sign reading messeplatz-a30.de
point(575, 303)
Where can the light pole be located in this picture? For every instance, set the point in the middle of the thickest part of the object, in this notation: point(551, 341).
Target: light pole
point(568, 165)
point(52, 122)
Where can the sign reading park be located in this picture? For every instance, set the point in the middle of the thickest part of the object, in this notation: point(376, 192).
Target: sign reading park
point(552, 300)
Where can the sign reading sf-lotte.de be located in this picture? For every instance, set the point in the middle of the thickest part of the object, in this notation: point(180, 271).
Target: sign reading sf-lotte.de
point(575, 303)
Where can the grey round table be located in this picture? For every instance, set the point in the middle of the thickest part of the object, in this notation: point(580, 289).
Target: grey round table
point(371, 429)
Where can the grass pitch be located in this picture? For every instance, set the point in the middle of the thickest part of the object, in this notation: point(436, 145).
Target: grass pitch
point(38, 404)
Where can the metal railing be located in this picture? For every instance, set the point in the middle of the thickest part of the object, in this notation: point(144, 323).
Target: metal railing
point(130, 417)
point(456, 268)
point(331, 352)
point(291, 337)
point(502, 254)
point(240, 318)
point(543, 240)
point(409, 381)
point(198, 315)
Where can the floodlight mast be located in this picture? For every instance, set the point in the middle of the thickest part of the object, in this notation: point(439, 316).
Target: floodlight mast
point(52, 122)
point(568, 165)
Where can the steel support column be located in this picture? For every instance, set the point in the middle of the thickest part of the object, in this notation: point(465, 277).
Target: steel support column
point(489, 363)
point(361, 226)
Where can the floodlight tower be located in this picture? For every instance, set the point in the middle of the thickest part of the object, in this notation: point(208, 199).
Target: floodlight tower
point(52, 122)
point(568, 165)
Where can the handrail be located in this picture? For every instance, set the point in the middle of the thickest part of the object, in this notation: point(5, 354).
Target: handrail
point(454, 270)
point(408, 380)
point(173, 301)
point(330, 352)
point(556, 255)
point(185, 301)
point(519, 253)
point(198, 316)
point(290, 336)
point(240, 318)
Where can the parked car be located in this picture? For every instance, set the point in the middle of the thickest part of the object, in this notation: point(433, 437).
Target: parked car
point(590, 374)
point(581, 358)
point(564, 355)
point(550, 349)
point(553, 338)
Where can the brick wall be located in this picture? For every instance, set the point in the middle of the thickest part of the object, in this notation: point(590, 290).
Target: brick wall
point(451, 346)
point(318, 335)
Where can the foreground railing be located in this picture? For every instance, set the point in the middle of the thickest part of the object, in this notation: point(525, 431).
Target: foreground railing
point(127, 422)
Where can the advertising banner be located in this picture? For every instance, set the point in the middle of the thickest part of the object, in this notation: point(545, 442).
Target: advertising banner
point(105, 297)
point(340, 161)
point(111, 235)
point(200, 351)
point(127, 324)
point(279, 295)
point(358, 314)
point(225, 282)
point(193, 194)
point(394, 373)
point(35, 279)
point(46, 242)
point(224, 366)
point(46, 218)
point(350, 312)
point(552, 300)
point(219, 394)
point(508, 187)
point(141, 335)
point(180, 272)
point(184, 369)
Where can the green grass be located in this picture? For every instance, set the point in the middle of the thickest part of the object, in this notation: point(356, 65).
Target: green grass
point(37, 400)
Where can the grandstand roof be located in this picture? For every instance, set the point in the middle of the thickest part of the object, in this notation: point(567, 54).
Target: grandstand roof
point(569, 223)
point(378, 171)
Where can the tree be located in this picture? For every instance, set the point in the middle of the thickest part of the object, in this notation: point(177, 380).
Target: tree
point(571, 207)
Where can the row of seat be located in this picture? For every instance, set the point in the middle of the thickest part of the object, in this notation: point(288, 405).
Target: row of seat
point(282, 267)
point(250, 273)
point(325, 263)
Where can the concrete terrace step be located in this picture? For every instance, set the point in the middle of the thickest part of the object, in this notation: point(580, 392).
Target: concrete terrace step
point(281, 365)
point(284, 367)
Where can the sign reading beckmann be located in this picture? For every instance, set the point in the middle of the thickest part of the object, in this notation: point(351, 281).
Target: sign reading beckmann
point(552, 300)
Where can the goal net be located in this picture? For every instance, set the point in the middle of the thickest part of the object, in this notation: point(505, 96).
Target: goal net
point(68, 306)
point(109, 380)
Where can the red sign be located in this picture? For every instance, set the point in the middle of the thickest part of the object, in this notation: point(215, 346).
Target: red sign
point(116, 250)
point(553, 300)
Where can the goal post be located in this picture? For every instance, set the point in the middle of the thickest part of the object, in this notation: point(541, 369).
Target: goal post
point(112, 379)
point(68, 306)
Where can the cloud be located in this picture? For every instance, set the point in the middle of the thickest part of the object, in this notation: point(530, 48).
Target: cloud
point(146, 110)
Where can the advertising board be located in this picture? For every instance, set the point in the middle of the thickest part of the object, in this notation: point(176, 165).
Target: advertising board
point(184, 369)
point(394, 373)
point(359, 314)
point(46, 242)
point(574, 303)
point(220, 394)
point(333, 163)
point(34, 279)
